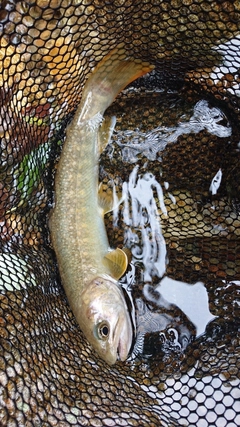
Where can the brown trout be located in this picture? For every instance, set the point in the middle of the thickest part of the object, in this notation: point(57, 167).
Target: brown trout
point(89, 269)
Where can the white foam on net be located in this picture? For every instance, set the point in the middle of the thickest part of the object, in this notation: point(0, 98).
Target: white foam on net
point(140, 213)
point(149, 144)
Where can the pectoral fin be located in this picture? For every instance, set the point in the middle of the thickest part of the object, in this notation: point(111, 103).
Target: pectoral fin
point(117, 262)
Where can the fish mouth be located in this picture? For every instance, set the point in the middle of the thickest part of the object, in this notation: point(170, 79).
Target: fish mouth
point(120, 351)
point(124, 340)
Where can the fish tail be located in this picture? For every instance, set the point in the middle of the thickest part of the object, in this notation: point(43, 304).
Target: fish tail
point(113, 73)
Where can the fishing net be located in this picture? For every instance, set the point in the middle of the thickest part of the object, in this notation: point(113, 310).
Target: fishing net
point(175, 156)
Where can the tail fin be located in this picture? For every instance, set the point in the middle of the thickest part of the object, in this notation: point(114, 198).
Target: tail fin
point(113, 73)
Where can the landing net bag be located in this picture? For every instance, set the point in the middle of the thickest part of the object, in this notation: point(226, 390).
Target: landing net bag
point(174, 154)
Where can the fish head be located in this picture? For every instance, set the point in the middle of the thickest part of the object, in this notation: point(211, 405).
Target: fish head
point(105, 319)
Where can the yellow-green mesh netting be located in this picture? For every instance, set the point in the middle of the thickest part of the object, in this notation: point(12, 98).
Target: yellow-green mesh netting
point(177, 138)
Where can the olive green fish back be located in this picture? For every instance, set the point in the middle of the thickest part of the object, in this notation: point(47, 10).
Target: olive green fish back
point(49, 375)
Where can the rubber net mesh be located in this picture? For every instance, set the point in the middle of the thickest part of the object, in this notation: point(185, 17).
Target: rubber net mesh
point(177, 140)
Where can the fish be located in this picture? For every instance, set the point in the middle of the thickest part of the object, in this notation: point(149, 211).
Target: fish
point(89, 268)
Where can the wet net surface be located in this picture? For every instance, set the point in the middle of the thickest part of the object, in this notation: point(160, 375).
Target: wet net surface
point(176, 140)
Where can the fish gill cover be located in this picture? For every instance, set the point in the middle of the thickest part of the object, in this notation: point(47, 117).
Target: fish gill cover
point(174, 156)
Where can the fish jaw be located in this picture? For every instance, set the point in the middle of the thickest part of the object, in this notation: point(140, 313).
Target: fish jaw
point(124, 345)
point(103, 306)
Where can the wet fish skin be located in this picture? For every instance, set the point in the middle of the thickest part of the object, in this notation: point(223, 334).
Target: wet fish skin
point(77, 228)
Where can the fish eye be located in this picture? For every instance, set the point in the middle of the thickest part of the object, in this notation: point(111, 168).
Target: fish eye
point(103, 330)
